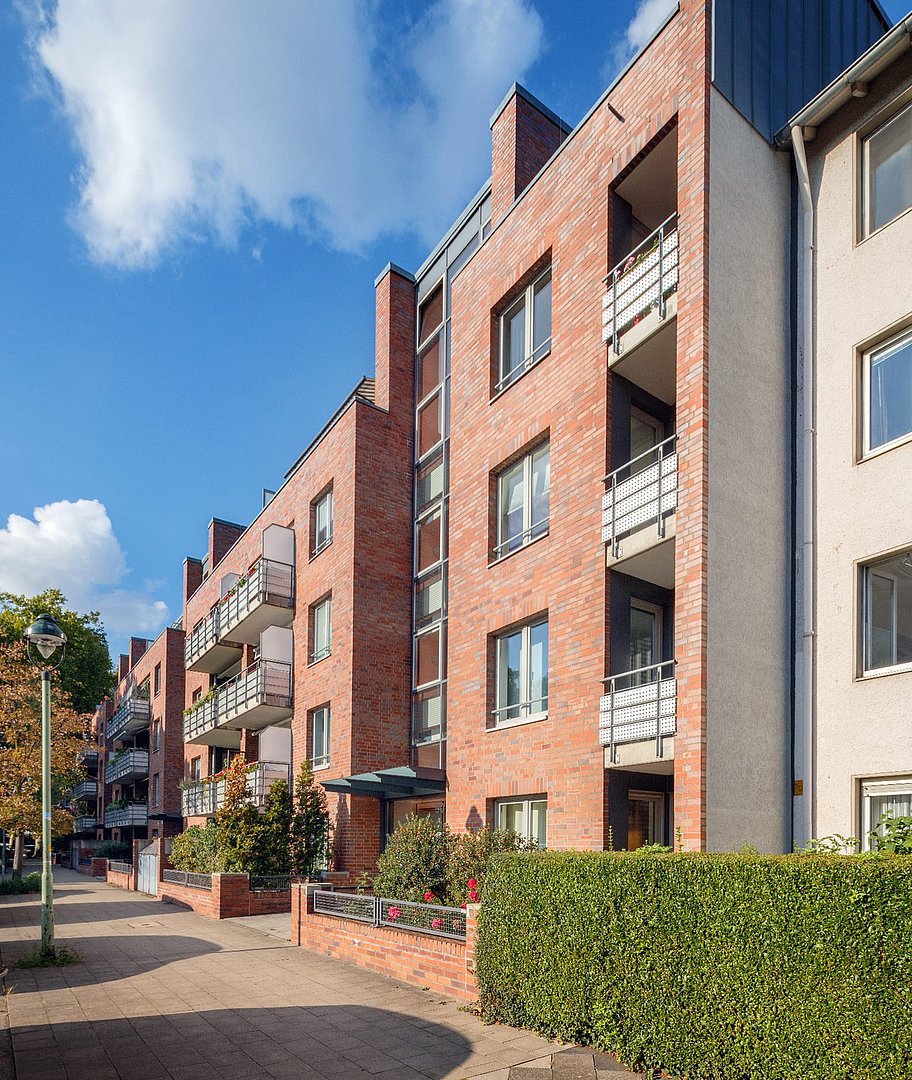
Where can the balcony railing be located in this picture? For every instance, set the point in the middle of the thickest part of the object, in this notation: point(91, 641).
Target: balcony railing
point(200, 720)
point(259, 696)
point(269, 584)
point(134, 714)
point(128, 763)
point(88, 757)
point(639, 705)
point(208, 796)
point(205, 648)
point(86, 823)
point(643, 280)
point(643, 491)
point(86, 789)
point(126, 816)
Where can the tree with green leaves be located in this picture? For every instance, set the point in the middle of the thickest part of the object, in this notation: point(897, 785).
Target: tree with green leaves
point(311, 831)
point(237, 821)
point(86, 674)
point(274, 846)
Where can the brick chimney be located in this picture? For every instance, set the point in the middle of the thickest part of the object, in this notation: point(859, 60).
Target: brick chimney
point(193, 577)
point(394, 348)
point(524, 134)
point(138, 646)
point(222, 534)
point(123, 666)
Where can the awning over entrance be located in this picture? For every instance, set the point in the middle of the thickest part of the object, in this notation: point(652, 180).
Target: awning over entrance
point(400, 783)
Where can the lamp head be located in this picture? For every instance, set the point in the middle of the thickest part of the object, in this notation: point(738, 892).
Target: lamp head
point(45, 635)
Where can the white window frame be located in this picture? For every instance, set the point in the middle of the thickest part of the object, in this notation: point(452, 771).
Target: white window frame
point(327, 502)
point(901, 785)
point(524, 706)
point(321, 760)
point(657, 798)
point(867, 186)
point(526, 803)
point(527, 297)
point(868, 570)
point(320, 652)
point(526, 464)
point(868, 358)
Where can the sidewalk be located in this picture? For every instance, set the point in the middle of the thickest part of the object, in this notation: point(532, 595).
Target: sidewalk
point(163, 994)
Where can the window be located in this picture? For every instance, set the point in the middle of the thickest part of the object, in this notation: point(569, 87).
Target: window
point(645, 824)
point(528, 818)
point(156, 789)
point(321, 630)
point(887, 183)
point(880, 798)
point(523, 501)
point(156, 736)
point(522, 673)
point(196, 695)
point(887, 605)
point(321, 523)
point(525, 331)
point(319, 726)
point(645, 641)
point(157, 679)
point(887, 388)
point(195, 768)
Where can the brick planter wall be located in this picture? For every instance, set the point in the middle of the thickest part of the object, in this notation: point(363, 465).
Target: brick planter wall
point(441, 964)
point(99, 868)
point(122, 881)
point(229, 898)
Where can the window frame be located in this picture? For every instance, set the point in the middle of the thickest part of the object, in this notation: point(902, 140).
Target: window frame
point(526, 802)
point(157, 679)
point(891, 343)
point(866, 570)
point(315, 655)
point(878, 786)
point(321, 761)
point(533, 356)
point(524, 705)
point(902, 107)
point(657, 798)
point(326, 499)
point(527, 462)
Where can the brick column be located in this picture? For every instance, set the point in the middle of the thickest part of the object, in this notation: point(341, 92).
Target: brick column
point(471, 983)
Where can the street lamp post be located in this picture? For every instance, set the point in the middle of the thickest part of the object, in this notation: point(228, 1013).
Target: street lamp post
point(46, 637)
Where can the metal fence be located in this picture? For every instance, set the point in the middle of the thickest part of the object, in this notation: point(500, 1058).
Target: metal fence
point(643, 280)
point(433, 919)
point(639, 705)
point(182, 877)
point(270, 882)
point(643, 491)
point(201, 638)
point(269, 581)
point(120, 867)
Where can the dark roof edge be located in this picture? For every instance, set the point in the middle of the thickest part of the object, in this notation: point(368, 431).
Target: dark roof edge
point(518, 90)
point(392, 268)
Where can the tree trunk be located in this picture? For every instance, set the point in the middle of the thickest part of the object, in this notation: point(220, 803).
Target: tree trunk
point(18, 854)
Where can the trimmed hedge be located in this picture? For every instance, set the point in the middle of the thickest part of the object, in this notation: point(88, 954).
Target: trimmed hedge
point(712, 967)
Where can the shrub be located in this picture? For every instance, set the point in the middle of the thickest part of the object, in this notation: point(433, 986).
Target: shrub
point(469, 858)
point(706, 966)
point(893, 834)
point(273, 834)
point(16, 886)
point(197, 851)
point(415, 861)
point(311, 831)
point(114, 849)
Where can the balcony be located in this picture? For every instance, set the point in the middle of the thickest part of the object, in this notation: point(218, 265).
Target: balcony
point(639, 504)
point(639, 707)
point(134, 715)
point(264, 597)
point(85, 789)
point(203, 797)
point(124, 817)
point(641, 289)
point(258, 697)
point(127, 765)
point(85, 823)
point(88, 758)
point(201, 726)
point(204, 649)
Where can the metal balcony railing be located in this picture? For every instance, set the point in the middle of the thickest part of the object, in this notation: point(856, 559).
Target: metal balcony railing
point(265, 682)
point(643, 491)
point(639, 705)
point(208, 796)
point(127, 763)
point(88, 756)
point(200, 719)
point(199, 798)
point(126, 816)
point(201, 639)
point(643, 280)
point(134, 714)
point(86, 789)
point(268, 582)
point(86, 823)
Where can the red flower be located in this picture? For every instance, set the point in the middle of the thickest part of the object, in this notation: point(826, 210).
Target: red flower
point(473, 884)
point(462, 906)
point(428, 896)
point(473, 896)
point(393, 914)
point(435, 924)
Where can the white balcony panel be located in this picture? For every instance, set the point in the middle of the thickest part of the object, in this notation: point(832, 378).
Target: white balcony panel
point(206, 651)
point(641, 282)
point(639, 712)
point(259, 697)
point(641, 499)
point(264, 598)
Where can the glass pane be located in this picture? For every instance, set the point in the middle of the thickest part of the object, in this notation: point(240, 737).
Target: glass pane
point(427, 658)
point(881, 621)
point(644, 651)
point(429, 482)
point(428, 600)
point(429, 430)
point(890, 169)
point(429, 369)
point(538, 812)
point(644, 436)
point(509, 650)
point(510, 497)
point(323, 521)
point(541, 315)
point(891, 394)
point(430, 315)
point(513, 345)
point(899, 804)
point(427, 541)
point(427, 716)
point(512, 818)
point(321, 737)
point(538, 667)
point(541, 491)
point(322, 628)
point(641, 815)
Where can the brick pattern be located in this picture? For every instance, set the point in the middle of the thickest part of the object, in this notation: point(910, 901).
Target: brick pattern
point(522, 140)
point(229, 898)
point(122, 881)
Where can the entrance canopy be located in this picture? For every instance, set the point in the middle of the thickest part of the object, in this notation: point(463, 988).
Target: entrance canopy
point(400, 783)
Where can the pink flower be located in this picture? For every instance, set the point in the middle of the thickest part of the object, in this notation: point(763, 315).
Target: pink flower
point(473, 884)
point(462, 906)
point(428, 896)
point(393, 914)
point(435, 924)
point(473, 896)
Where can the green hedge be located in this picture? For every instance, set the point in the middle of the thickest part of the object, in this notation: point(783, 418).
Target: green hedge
point(711, 967)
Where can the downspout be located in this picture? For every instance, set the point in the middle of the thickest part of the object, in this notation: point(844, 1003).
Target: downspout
point(805, 691)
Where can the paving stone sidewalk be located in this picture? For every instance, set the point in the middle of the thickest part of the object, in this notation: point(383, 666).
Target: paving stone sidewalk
point(164, 994)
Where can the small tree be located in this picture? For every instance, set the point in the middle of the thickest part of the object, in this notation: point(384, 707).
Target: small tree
point(197, 850)
point(311, 831)
point(238, 822)
point(415, 861)
point(274, 837)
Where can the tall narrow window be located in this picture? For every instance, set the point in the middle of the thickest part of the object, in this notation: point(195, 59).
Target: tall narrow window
point(888, 393)
point(525, 331)
point(524, 501)
point(156, 789)
point(522, 673)
point(887, 631)
point(888, 171)
point(645, 812)
point(321, 630)
point(319, 720)
point(157, 679)
point(322, 522)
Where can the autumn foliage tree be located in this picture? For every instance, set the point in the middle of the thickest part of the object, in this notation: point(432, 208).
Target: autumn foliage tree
point(20, 745)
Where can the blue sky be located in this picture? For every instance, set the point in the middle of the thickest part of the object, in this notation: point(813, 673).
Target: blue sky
point(196, 203)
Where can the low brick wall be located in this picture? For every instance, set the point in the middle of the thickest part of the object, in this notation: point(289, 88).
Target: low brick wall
point(441, 964)
point(229, 898)
point(99, 868)
point(121, 880)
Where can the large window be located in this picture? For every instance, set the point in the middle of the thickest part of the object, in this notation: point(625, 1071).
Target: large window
point(887, 605)
point(528, 818)
point(523, 501)
point(321, 523)
point(522, 673)
point(887, 376)
point(525, 331)
point(321, 630)
point(883, 799)
point(319, 728)
point(888, 171)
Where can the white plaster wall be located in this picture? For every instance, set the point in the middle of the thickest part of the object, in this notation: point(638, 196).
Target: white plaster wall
point(748, 643)
point(864, 726)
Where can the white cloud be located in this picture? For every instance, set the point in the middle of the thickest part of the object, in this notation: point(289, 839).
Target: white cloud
point(71, 546)
point(648, 17)
point(194, 120)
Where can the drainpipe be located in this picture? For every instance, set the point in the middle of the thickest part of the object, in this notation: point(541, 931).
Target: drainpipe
point(805, 668)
